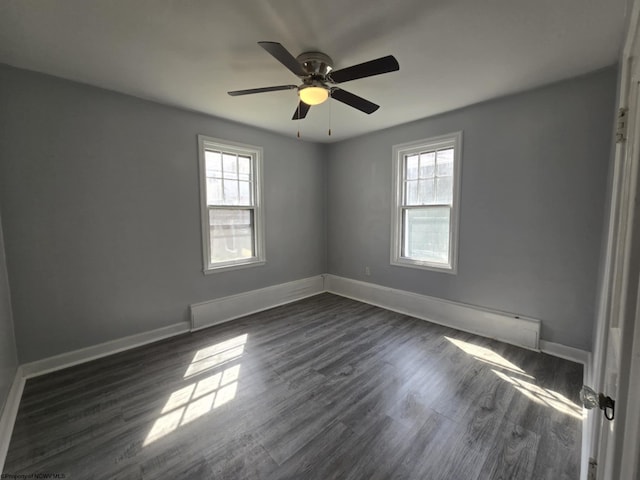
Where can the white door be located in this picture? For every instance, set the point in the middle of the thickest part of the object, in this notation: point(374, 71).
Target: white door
point(615, 442)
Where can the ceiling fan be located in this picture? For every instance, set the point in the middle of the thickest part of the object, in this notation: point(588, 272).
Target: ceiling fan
point(315, 69)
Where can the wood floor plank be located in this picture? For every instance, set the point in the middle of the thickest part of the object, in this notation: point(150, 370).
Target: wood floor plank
point(323, 388)
point(512, 455)
point(317, 459)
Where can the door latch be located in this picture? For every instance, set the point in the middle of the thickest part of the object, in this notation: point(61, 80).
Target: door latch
point(590, 399)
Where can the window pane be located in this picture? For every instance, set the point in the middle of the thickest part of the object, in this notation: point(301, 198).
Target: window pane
point(426, 234)
point(245, 193)
point(411, 192)
point(231, 234)
point(426, 191)
point(214, 191)
point(444, 189)
point(213, 163)
point(244, 168)
point(445, 162)
point(230, 165)
point(412, 167)
point(230, 192)
point(427, 164)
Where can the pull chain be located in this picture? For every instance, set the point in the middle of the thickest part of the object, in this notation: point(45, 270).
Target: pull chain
point(330, 112)
point(298, 119)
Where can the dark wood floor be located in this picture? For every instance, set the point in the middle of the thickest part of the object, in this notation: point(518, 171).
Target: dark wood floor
point(325, 388)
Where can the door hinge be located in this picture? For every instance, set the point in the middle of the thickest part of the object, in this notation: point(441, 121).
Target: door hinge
point(621, 125)
point(593, 469)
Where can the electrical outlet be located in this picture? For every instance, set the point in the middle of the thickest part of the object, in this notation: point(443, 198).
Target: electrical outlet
point(367, 271)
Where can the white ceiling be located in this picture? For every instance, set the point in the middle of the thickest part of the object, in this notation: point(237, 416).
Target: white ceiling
point(189, 53)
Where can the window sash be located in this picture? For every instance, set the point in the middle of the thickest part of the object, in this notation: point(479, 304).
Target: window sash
point(406, 206)
point(427, 241)
point(230, 181)
point(230, 245)
point(421, 181)
point(217, 255)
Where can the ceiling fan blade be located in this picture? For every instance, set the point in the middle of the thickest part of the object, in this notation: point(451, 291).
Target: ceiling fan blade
point(367, 69)
point(284, 57)
point(235, 93)
point(354, 101)
point(301, 111)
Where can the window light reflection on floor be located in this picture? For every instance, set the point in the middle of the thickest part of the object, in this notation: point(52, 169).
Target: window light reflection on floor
point(543, 396)
point(216, 355)
point(487, 355)
point(206, 394)
point(515, 376)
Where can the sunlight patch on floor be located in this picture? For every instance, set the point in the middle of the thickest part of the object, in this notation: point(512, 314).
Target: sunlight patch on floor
point(511, 373)
point(216, 355)
point(487, 355)
point(543, 396)
point(196, 399)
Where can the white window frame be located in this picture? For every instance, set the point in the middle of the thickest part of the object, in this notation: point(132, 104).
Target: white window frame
point(399, 153)
point(256, 153)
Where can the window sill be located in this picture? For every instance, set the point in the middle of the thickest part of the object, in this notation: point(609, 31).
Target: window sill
point(234, 266)
point(434, 267)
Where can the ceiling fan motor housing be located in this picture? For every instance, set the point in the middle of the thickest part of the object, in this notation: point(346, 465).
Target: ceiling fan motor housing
point(317, 64)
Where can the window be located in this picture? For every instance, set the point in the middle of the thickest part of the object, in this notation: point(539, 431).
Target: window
point(231, 203)
point(425, 215)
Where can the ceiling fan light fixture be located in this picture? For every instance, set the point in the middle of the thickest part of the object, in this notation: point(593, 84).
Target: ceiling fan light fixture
point(314, 95)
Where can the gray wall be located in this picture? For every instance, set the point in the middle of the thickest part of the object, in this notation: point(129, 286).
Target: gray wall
point(8, 357)
point(534, 173)
point(101, 212)
point(101, 217)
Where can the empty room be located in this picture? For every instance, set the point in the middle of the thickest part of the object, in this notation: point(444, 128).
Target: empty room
point(299, 240)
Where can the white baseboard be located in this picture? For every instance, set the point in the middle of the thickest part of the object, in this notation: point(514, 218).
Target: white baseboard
point(508, 328)
point(568, 353)
point(64, 360)
point(220, 310)
point(9, 414)
point(524, 332)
